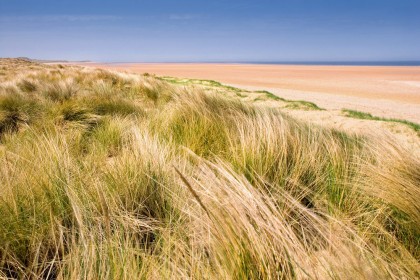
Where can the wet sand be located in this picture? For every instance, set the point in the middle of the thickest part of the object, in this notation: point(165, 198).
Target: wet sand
point(387, 91)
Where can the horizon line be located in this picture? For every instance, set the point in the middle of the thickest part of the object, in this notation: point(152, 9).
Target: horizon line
point(286, 62)
point(415, 62)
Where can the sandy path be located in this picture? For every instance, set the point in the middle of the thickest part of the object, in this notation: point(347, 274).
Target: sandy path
point(387, 91)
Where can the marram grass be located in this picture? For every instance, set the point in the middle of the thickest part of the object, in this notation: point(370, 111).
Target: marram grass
point(107, 175)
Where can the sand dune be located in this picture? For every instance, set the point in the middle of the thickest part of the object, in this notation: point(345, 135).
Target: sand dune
point(386, 91)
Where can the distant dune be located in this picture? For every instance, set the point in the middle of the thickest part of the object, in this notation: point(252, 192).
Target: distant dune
point(387, 91)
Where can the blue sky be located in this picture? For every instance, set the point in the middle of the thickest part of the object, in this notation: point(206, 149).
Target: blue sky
point(212, 30)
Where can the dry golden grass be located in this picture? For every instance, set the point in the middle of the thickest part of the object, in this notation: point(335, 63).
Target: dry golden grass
point(121, 176)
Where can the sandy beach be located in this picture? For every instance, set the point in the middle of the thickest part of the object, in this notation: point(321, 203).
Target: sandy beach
point(386, 91)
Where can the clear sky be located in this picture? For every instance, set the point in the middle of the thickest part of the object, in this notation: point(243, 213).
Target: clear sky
point(211, 30)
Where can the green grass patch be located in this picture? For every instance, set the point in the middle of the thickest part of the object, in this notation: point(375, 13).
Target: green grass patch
point(209, 83)
point(303, 105)
point(271, 95)
point(293, 104)
point(368, 116)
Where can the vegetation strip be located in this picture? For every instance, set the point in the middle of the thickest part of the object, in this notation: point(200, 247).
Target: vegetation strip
point(368, 116)
point(292, 104)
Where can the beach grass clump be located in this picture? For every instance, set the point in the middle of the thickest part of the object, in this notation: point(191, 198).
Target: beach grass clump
point(302, 105)
point(113, 182)
point(113, 107)
point(16, 111)
point(206, 83)
point(60, 91)
point(368, 116)
point(77, 115)
point(27, 86)
point(291, 104)
point(271, 95)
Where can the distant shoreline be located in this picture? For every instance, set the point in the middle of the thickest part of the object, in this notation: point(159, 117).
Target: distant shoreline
point(252, 62)
point(301, 63)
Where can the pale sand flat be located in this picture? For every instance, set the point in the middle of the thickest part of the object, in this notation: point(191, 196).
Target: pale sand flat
point(385, 91)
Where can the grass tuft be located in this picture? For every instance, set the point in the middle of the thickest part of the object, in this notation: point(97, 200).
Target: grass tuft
point(292, 104)
point(368, 116)
point(16, 111)
point(27, 86)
